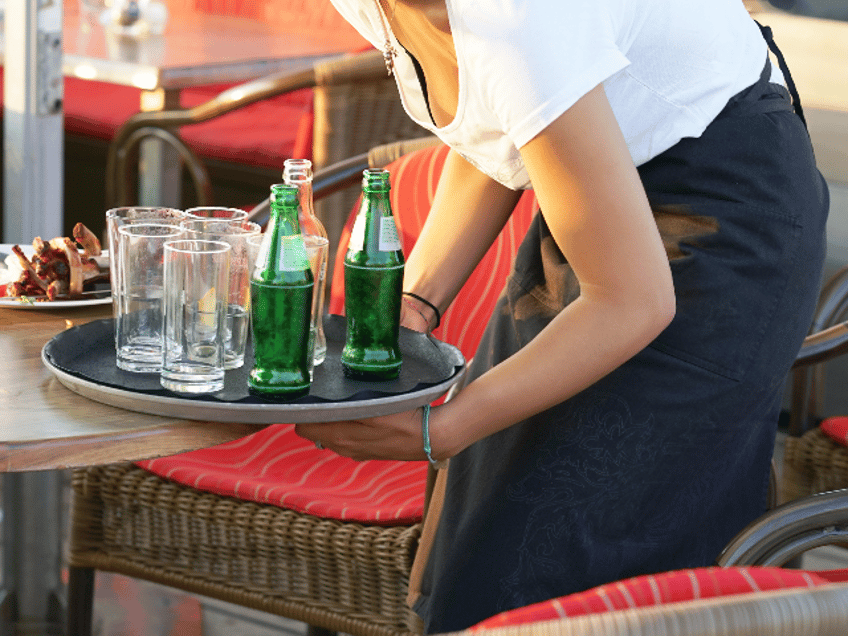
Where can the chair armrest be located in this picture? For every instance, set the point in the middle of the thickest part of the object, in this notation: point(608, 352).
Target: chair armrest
point(790, 530)
point(145, 124)
point(343, 174)
point(823, 345)
point(325, 182)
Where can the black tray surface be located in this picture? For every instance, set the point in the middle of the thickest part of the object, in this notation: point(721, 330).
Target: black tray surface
point(87, 352)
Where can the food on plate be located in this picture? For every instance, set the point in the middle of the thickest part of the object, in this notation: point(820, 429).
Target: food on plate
point(60, 269)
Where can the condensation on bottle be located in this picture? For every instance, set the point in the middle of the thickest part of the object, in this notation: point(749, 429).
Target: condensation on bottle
point(281, 290)
point(373, 275)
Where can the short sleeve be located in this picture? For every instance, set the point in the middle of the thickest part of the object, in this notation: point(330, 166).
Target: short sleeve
point(533, 59)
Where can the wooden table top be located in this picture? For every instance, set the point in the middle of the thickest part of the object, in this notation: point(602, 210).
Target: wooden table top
point(199, 48)
point(46, 426)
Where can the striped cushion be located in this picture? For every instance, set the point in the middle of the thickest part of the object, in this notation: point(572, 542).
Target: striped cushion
point(414, 180)
point(658, 589)
point(275, 466)
point(836, 428)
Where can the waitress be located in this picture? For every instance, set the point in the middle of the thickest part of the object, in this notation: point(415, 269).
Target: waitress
point(622, 406)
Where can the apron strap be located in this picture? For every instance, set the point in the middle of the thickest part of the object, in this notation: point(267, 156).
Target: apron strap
point(790, 83)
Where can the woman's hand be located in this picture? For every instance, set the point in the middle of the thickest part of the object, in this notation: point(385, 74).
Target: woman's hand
point(397, 436)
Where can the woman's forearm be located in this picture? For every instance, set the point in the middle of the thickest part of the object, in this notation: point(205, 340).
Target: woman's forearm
point(597, 212)
point(468, 211)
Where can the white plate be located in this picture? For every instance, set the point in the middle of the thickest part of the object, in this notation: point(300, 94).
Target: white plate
point(18, 303)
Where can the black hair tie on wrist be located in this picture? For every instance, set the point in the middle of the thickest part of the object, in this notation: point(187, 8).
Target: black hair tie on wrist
point(429, 304)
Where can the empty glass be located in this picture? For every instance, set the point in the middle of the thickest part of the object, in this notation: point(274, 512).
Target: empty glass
point(138, 320)
point(236, 235)
point(117, 217)
point(196, 285)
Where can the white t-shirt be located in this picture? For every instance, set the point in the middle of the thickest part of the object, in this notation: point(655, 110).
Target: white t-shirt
point(668, 68)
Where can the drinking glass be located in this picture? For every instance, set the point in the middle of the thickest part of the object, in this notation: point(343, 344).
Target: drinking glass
point(216, 212)
point(138, 321)
point(117, 217)
point(236, 234)
point(196, 282)
point(317, 249)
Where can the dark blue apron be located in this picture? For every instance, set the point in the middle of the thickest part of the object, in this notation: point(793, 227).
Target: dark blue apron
point(659, 464)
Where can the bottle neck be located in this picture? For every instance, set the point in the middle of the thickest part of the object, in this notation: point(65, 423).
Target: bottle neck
point(310, 224)
point(284, 220)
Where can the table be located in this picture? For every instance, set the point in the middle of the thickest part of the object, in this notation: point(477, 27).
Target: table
point(195, 49)
point(46, 428)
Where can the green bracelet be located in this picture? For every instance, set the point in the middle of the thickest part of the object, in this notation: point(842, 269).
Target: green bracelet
point(425, 433)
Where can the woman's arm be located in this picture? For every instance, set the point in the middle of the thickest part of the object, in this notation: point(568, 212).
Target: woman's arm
point(597, 211)
point(469, 210)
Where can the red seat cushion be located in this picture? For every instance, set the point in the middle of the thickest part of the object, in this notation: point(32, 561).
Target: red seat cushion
point(836, 428)
point(262, 135)
point(659, 589)
point(275, 466)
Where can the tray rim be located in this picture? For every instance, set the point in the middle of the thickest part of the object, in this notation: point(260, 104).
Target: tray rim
point(251, 413)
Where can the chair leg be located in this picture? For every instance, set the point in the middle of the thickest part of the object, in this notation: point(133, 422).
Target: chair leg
point(311, 630)
point(80, 601)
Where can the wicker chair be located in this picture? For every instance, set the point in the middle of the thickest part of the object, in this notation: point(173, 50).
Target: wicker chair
point(333, 575)
point(356, 107)
point(820, 611)
point(813, 462)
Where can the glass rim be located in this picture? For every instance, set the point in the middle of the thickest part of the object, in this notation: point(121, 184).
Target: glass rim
point(113, 212)
point(240, 229)
point(212, 247)
point(133, 229)
point(237, 213)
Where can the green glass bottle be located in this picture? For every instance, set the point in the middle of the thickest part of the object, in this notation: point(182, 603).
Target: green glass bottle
point(281, 304)
point(373, 275)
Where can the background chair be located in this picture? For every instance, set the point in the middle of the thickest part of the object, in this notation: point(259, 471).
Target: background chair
point(814, 461)
point(699, 602)
point(355, 108)
point(161, 521)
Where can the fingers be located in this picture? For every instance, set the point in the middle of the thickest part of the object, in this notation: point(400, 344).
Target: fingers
point(395, 436)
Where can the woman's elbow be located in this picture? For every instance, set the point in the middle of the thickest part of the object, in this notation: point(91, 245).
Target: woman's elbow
point(662, 309)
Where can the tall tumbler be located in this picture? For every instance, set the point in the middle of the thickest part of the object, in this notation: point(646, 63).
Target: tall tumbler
point(138, 322)
point(117, 217)
point(196, 285)
point(236, 235)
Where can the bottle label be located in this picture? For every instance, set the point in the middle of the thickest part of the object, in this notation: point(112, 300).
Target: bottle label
point(293, 257)
point(389, 240)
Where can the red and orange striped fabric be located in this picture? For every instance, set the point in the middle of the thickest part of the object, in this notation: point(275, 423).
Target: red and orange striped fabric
point(659, 589)
point(275, 466)
point(414, 180)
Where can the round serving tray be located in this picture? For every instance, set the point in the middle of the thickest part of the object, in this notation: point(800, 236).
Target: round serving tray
point(83, 359)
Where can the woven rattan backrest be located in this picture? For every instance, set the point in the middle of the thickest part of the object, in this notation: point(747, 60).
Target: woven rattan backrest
point(357, 107)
